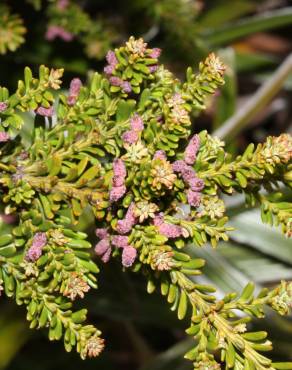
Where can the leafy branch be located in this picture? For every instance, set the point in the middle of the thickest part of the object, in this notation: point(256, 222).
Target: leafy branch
point(120, 149)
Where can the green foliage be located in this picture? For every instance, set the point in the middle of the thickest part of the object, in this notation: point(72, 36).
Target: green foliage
point(119, 148)
point(31, 93)
point(11, 30)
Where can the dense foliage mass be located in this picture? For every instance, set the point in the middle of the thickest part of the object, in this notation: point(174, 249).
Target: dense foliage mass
point(121, 147)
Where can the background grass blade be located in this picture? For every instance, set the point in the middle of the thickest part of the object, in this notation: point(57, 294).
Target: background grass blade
point(245, 27)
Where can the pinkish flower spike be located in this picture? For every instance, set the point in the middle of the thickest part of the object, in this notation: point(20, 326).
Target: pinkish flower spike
point(51, 33)
point(196, 184)
point(101, 233)
point(103, 249)
point(130, 137)
point(125, 225)
point(109, 69)
point(74, 90)
point(119, 188)
point(4, 137)
point(120, 241)
point(119, 168)
point(130, 215)
point(106, 257)
point(188, 174)
point(38, 243)
point(128, 256)
point(179, 166)
point(118, 181)
point(194, 198)
point(158, 219)
point(33, 254)
point(126, 87)
point(160, 154)
point(137, 123)
point(111, 58)
point(117, 192)
point(46, 112)
point(115, 81)
point(3, 106)
point(71, 100)
point(102, 246)
point(39, 240)
point(55, 31)
point(192, 149)
point(65, 35)
point(75, 86)
point(155, 53)
point(153, 68)
point(170, 230)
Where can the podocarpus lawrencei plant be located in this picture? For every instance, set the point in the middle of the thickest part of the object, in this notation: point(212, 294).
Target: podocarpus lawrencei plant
point(122, 148)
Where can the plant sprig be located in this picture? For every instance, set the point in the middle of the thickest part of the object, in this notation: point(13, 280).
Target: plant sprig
point(120, 148)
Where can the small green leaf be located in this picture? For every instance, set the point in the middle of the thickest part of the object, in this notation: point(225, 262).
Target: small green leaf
point(230, 355)
point(183, 305)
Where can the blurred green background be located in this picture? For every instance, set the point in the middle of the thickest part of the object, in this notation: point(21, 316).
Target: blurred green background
point(253, 38)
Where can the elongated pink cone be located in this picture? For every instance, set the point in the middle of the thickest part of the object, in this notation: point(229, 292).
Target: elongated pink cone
point(120, 241)
point(137, 123)
point(128, 256)
point(38, 243)
point(194, 198)
point(192, 150)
